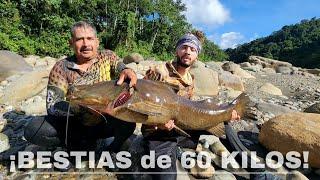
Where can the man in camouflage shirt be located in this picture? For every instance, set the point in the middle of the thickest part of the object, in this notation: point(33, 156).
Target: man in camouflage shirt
point(161, 138)
point(67, 126)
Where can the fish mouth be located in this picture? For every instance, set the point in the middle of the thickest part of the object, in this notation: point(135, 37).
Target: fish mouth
point(122, 99)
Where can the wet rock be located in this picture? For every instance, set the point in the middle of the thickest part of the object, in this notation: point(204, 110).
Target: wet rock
point(303, 135)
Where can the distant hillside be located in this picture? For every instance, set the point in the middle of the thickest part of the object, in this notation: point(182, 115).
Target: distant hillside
point(298, 44)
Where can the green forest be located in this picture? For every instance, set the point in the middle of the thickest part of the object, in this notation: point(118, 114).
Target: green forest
point(148, 27)
point(298, 44)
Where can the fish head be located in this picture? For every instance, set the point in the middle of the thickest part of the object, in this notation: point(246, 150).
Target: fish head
point(105, 97)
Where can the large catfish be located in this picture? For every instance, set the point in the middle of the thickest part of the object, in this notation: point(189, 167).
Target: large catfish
point(153, 103)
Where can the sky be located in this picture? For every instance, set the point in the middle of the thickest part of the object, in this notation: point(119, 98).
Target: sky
point(229, 23)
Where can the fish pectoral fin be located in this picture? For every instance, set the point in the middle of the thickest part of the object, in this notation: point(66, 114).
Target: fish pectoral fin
point(149, 109)
point(181, 131)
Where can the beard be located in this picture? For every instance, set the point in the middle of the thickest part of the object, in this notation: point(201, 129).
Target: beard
point(183, 64)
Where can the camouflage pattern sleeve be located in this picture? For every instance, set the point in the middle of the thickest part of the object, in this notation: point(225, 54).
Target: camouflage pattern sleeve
point(56, 91)
point(116, 65)
point(157, 73)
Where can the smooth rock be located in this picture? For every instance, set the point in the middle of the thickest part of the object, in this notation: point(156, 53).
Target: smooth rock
point(229, 80)
point(313, 71)
point(199, 172)
point(236, 70)
point(293, 132)
point(37, 106)
point(12, 63)
point(214, 66)
point(25, 86)
point(296, 175)
point(245, 64)
point(267, 62)
point(4, 142)
point(271, 89)
point(273, 108)
point(283, 70)
point(268, 70)
point(315, 108)
point(253, 68)
point(32, 59)
point(133, 57)
point(206, 81)
point(3, 123)
point(223, 175)
point(4, 83)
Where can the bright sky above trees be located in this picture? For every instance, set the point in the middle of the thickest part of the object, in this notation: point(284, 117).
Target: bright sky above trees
point(232, 22)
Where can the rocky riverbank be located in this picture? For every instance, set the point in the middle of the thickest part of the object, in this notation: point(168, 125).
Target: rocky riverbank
point(275, 88)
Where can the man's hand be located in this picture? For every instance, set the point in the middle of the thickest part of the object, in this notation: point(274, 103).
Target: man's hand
point(235, 116)
point(168, 126)
point(128, 74)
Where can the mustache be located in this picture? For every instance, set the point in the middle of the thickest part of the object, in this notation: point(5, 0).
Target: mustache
point(186, 56)
point(85, 48)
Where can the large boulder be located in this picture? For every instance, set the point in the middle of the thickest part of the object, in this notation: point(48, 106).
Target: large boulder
point(227, 79)
point(133, 57)
point(236, 70)
point(293, 132)
point(266, 62)
point(314, 108)
point(26, 86)
point(143, 66)
point(273, 108)
point(12, 63)
point(214, 66)
point(206, 81)
point(271, 89)
point(312, 71)
point(283, 69)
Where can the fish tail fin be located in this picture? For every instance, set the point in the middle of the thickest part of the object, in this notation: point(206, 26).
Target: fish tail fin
point(241, 103)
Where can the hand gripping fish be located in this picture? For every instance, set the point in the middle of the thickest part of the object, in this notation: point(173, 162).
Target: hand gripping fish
point(154, 103)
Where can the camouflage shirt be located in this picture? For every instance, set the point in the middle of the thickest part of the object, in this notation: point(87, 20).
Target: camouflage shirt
point(66, 73)
point(182, 85)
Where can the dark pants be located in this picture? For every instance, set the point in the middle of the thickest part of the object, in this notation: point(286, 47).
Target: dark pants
point(169, 147)
point(50, 132)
